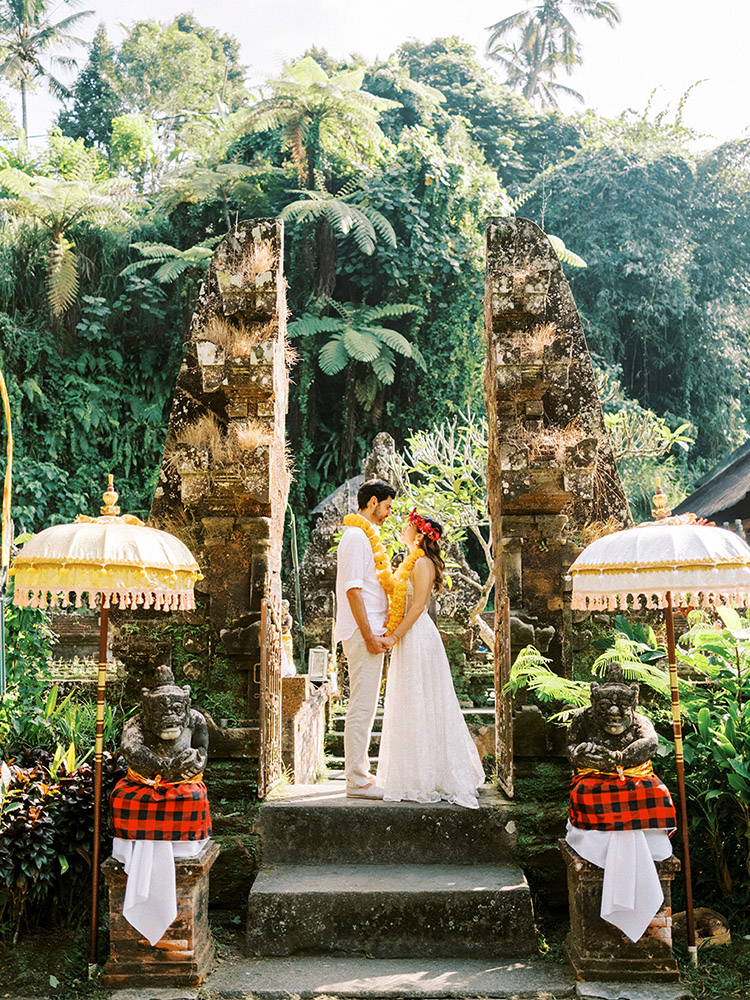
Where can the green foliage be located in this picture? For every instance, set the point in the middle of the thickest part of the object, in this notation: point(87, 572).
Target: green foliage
point(57, 206)
point(168, 72)
point(132, 146)
point(95, 102)
point(661, 296)
point(46, 836)
point(173, 263)
point(644, 446)
point(358, 336)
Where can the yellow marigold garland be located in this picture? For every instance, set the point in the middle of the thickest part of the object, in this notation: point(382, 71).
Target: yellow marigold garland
point(394, 584)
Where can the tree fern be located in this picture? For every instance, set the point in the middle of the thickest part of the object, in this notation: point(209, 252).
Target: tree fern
point(62, 276)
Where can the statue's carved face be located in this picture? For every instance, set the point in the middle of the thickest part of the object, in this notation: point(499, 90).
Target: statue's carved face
point(166, 713)
point(614, 706)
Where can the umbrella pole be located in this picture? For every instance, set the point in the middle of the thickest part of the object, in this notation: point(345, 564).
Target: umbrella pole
point(680, 768)
point(98, 754)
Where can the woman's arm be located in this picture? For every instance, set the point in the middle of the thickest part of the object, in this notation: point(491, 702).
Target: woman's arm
point(422, 576)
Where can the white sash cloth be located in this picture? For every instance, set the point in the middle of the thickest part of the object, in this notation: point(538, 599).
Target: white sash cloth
point(151, 890)
point(631, 891)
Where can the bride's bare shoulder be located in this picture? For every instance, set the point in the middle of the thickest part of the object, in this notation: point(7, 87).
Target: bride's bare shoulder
point(424, 570)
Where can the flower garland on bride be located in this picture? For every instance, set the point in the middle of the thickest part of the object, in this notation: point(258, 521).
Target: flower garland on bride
point(394, 584)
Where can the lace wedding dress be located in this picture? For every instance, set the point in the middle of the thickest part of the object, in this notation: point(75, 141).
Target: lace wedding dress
point(426, 751)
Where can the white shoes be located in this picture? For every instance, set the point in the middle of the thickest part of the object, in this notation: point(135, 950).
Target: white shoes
point(370, 791)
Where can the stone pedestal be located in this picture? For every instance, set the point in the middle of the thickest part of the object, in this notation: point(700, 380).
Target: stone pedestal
point(597, 949)
point(183, 957)
point(303, 725)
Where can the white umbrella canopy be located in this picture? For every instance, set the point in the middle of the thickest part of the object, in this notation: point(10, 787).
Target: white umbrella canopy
point(699, 565)
point(114, 561)
point(673, 561)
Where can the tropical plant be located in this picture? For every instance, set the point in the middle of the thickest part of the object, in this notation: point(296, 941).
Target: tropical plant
point(172, 263)
point(361, 345)
point(28, 38)
point(343, 214)
point(547, 41)
point(199, 184)
point(58, 206)
point(320, 117)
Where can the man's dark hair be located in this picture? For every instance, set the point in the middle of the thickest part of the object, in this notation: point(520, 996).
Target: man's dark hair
point(374, 488)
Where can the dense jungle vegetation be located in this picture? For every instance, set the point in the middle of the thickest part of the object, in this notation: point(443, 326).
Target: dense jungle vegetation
point(385, 175)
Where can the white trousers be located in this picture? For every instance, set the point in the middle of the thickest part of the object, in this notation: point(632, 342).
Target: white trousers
point(365, 669)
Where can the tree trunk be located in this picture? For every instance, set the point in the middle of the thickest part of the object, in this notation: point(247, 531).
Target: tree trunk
point(327, 256)
point(24, 115)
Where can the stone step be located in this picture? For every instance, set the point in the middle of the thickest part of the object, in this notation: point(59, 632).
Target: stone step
point(334, 743)
point(318, 824)
point(482, 716)
point(391, 911)
point(337, 723)
point(323, 976)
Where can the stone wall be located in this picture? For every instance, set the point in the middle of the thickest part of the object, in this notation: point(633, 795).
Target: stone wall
point(554, 484)
point(224, 479)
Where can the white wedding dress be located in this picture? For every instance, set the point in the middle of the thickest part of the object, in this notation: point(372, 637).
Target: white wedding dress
point(426, 751)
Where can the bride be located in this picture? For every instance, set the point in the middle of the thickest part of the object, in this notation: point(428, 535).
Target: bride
point(426, 751)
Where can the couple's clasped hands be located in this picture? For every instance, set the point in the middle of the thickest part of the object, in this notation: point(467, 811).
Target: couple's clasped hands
point(377, 644)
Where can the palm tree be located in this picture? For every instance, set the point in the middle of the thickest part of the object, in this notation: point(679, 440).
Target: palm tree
point(546, 42)
point(57, 206)
point(27, 36)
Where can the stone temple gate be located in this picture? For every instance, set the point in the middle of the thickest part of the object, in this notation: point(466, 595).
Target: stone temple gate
point(224, 480)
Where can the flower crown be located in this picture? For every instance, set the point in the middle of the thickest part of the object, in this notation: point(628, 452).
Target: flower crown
point(423, 526)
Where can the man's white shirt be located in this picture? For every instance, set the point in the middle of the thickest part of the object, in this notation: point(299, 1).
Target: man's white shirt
point(355, 567)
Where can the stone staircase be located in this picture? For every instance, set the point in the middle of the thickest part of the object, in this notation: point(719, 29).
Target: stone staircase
point(387, 880)
point(334, 740)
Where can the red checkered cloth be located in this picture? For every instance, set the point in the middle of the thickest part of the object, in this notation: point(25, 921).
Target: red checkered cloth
point(608, 802)
point(165, 812)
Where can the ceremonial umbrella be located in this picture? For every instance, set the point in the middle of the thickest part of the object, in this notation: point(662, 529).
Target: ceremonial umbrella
point(673, 561)
point(114, 560)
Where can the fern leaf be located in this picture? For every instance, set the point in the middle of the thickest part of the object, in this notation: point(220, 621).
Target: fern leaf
point(333, 356)
point(62, 277)
point(384, 365)
point(565, 255)
point(381, 225)
point(394, 340)
point(171, 271)
point(361, 344)
point(308, 325)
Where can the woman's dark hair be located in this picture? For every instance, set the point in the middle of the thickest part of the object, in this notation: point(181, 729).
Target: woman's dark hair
point(432, 551)
point(374, 488)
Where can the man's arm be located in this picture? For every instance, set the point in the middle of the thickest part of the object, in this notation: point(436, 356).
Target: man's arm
point(375, 643)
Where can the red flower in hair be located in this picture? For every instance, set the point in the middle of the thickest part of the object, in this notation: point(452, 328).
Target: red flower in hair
point(423, 526)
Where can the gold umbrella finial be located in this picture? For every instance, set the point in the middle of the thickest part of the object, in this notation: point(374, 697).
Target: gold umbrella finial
point(661, 509)
point(110, 499)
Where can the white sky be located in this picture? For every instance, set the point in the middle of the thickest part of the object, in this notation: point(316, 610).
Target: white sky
point(661, 44)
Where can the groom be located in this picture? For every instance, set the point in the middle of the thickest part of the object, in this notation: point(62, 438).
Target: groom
point(361, 613)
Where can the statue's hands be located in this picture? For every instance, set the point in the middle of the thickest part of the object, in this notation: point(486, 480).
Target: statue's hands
point(389, 641)
point(190, 762)
point(596, 755)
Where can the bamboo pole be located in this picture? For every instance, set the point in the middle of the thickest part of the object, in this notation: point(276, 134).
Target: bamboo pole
point(7, 530)
point(98, 758)
point(680, 768)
